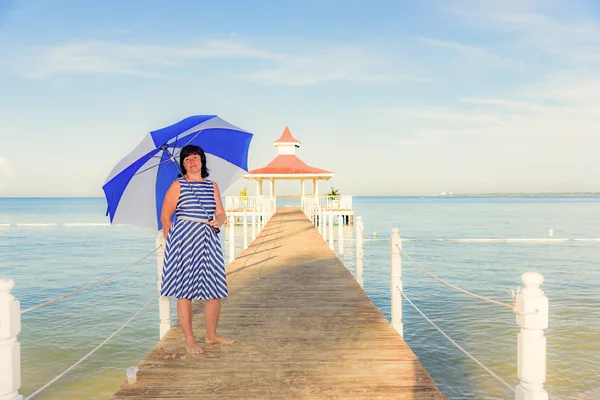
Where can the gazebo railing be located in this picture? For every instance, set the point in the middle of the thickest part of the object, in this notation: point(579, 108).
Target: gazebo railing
point(240, 203)
point(340, 202)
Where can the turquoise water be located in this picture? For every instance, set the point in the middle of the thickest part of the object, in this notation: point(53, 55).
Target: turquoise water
point(47, 261)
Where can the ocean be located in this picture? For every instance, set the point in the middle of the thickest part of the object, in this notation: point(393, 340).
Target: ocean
point(69, 247)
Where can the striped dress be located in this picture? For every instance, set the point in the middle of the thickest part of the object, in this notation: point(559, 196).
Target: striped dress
point(194, 267)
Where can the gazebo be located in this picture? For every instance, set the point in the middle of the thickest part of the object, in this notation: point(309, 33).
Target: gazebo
point(287, 166)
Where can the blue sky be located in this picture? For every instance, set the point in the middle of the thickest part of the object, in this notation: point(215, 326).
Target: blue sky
point(394, 97)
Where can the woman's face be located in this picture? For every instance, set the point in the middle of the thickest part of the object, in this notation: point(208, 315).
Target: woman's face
point(192, 163)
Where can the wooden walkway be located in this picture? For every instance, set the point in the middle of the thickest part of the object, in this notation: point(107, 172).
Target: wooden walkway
point(304, 329)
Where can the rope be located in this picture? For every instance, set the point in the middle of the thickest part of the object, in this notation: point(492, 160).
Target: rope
point(90, 285)
point(511, 306)
point(93, 351)
point(457, 345)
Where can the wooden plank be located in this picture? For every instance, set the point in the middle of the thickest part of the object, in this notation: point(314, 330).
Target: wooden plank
point(304, 329)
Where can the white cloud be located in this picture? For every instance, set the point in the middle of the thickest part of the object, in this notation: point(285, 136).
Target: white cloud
point(328, 63)
point(472, 51)
point(555, 95)
point(275, 64)
point(420, 141)
point(131, 59)
point(512, 104)
point(441, 115)
point(564, 32)
point(565, 107)
point(566, 87)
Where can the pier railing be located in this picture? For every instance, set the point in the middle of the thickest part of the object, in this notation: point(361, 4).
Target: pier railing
point(10, 307)
point(530, 304)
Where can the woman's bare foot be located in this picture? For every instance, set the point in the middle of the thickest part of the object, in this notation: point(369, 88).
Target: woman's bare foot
point(193, 348)
point(218, 340)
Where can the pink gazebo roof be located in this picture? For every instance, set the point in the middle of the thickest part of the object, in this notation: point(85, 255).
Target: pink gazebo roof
point(288, 165)
point(286, 137)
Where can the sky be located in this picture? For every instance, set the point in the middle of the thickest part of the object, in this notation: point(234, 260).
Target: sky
point(394, 97)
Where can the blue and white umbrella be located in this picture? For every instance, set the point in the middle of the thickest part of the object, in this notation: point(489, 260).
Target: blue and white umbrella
point(136, 186)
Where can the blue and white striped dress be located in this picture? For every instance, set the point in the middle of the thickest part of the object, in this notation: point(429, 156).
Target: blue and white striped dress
point(194, 267)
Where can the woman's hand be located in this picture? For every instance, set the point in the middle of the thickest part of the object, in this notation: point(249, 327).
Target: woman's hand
point(214, 223)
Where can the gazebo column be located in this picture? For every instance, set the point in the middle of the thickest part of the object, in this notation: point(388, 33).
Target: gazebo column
point(272, 186)
point(302, 191)
point(259, 187)
point(316, 186)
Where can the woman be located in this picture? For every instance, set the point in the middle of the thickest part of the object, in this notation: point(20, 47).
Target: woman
point(194, 266)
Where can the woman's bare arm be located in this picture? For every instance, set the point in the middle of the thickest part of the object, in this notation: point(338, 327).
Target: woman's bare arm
point(168, 207)
point(220, 215)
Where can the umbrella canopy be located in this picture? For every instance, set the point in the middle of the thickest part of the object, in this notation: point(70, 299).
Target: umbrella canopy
point(136, 186)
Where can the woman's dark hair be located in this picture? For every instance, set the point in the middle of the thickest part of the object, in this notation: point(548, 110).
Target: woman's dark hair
point(189, 150)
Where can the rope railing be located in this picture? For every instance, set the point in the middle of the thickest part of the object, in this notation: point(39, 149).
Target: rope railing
point(10, 313)
point(90, 285)
point(530, 307)
point(530, 304)
point(387, 279)
point(82, 359)
point(511, 306)
point(489, 371)
point(541, 240)
point(477, 296)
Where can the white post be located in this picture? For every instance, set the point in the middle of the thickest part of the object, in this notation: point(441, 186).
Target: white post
point(164, 302)
point(531, 308)
point(232, 238)
point(321, 223)
point(359, 251)
point(10, 348)
point(341, 236)
point(330, 234)
point(325, 215)
point(272, 187)
point(261, 215)
point(245, 222)
point(396, 282)
point(551, 232)
point(254, 224)
point(266, 211)
point(265, 205)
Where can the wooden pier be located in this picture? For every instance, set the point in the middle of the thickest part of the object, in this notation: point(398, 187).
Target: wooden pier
point(304, 329)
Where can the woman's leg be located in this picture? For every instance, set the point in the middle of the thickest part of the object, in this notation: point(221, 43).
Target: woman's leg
point(184, 313)
point(212, 309)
